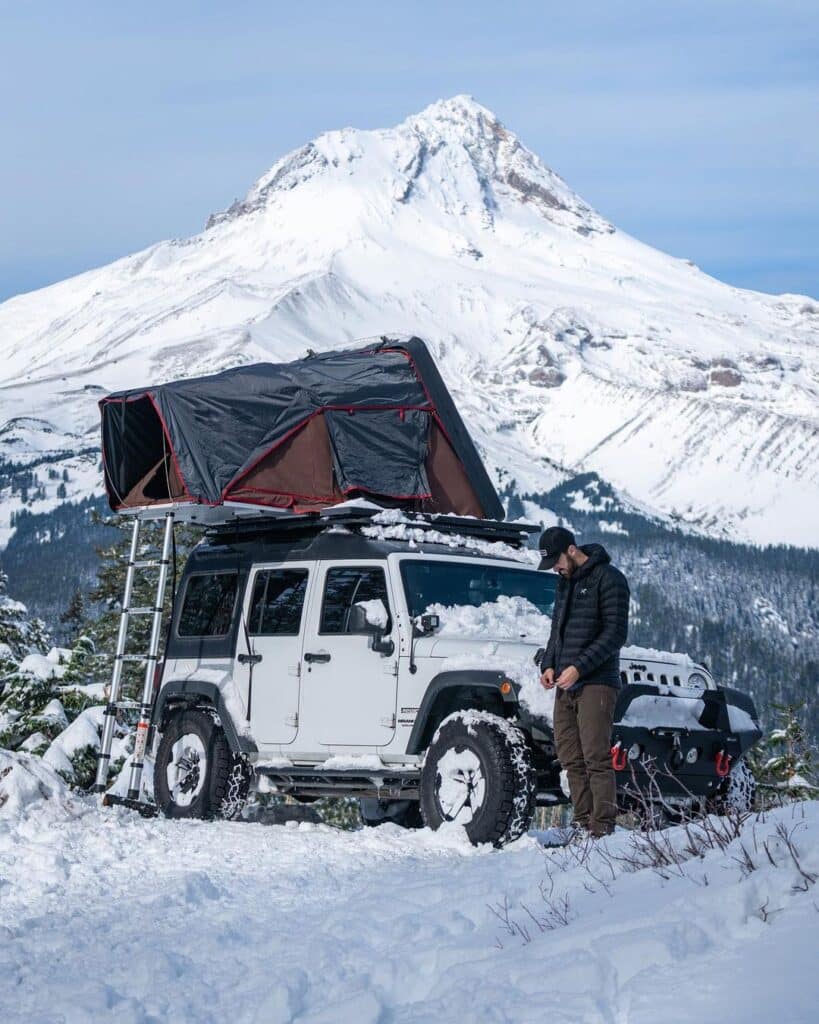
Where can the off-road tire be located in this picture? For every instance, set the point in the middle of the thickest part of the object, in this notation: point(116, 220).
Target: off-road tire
point(736, 793)
point(502, 750)
point(405, 813)
point(224, 777)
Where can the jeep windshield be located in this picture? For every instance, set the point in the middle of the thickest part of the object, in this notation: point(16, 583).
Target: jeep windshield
point(469, 583)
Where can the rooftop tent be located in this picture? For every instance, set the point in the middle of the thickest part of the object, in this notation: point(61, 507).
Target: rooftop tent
point(375, 421)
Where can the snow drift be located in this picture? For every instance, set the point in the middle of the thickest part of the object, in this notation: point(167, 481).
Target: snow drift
point(108, 914)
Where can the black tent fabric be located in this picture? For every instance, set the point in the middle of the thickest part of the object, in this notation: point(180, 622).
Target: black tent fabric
point(376, 421)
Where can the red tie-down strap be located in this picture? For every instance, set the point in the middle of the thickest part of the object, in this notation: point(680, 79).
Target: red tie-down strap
point(619, 757)
point(723, 763)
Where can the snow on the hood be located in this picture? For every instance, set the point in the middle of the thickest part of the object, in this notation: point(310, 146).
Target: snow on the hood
point(633, 653)
point(506, 619)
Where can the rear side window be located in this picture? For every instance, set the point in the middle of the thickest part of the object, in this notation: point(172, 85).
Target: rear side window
point(345, 587)
point(278, 601)
point(208, 606)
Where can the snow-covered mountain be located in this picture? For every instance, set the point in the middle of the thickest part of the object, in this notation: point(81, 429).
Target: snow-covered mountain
point(569, 346)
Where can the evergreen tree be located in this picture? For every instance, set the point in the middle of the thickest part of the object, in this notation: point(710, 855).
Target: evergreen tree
point(785, 763)
point(19, 635)
point(23, 694)
point(74, 615)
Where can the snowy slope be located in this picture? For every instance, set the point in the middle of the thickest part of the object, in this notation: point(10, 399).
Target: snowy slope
point(106, 916)
point(568, 344)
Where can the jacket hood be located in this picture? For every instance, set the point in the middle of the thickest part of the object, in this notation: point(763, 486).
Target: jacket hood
point(597, 555)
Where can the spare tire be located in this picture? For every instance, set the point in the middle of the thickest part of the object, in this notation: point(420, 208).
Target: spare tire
point(478, 773)
point(196, 774)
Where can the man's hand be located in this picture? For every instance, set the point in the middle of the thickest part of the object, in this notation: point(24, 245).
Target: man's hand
point(568, 677)
point(547, 680)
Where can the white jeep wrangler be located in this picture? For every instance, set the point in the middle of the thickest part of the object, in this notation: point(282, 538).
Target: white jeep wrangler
point(352, 655)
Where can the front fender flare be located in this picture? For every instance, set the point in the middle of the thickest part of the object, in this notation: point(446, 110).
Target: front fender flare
point(453, 690)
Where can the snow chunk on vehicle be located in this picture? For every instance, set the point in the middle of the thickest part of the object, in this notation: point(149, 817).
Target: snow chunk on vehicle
point(507, 618)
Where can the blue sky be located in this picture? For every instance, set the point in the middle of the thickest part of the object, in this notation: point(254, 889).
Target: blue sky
point(692, 125)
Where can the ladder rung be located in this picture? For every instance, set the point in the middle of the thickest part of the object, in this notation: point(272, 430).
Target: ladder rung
point(150, 563)
point(137, 657)
point(126, 705)
point(142, 611)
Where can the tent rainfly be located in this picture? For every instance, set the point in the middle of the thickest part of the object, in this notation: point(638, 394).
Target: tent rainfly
point(375, 421)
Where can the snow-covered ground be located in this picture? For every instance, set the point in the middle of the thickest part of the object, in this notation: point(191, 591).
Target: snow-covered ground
point(105, 916)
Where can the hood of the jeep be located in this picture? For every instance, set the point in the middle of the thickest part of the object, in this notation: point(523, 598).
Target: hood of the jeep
point(480, 647)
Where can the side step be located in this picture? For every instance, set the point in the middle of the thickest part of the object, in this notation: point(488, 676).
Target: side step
point(146, 810)
point(389, 782)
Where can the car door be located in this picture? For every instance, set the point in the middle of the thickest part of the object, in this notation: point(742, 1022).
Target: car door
point(349, 688)
point(269, 649)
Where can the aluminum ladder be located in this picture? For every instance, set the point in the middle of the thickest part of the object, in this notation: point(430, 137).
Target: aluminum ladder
point(145, 706)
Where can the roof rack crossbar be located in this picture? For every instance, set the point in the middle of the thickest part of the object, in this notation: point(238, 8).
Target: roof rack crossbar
point(514, 534)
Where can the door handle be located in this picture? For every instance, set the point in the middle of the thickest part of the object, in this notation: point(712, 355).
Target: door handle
point(313, 656)
point(249, 659)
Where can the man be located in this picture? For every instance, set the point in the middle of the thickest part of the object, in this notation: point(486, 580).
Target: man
point(582, 660)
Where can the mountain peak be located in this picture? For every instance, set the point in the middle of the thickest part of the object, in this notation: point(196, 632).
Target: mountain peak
point(565, 344)
point(460, 109)
point(455, 146)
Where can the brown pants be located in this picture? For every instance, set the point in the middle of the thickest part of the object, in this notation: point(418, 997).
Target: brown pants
point(583, 723)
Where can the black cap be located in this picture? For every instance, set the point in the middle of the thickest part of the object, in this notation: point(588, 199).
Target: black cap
point(553, 542)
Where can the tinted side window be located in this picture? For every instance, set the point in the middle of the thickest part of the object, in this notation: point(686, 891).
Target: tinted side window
point(208, 606)
point(278, 601)
point(345, 587)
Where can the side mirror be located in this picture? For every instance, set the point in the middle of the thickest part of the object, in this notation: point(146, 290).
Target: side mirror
point(371, 618)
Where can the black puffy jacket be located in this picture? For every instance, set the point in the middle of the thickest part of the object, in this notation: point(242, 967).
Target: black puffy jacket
point(590, 621)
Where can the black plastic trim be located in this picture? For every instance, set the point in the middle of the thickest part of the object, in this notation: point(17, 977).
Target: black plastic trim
point(474, 684)
point(187, 691)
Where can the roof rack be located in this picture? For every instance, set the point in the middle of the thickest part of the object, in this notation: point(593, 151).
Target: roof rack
point(354, 517)
point(199, 514)
point(243, 518)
